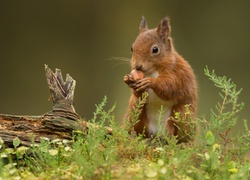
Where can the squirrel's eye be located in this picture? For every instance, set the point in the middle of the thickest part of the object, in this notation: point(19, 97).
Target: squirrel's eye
point(131, 49)
point(155, 49)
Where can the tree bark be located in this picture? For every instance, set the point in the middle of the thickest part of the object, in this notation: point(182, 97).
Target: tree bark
point(59, 123)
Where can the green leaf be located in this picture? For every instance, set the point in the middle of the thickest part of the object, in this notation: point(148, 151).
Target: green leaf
point(210, 138)
point(16, 142)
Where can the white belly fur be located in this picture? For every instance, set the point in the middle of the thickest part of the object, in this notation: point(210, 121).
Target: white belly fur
point(153, 107)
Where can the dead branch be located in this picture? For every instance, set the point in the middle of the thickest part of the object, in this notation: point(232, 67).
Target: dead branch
point(59, 123)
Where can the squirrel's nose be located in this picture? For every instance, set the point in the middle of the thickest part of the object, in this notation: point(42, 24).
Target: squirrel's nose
point(138, 66)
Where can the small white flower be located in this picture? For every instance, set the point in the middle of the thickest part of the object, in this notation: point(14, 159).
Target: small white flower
point(67, 148)
point(56, 140)
point(65, 141)
point(160, 162)
point(53, 152)
point(159, 149)
point(151, 174)
point(4, 155)
point(163, 170)
point(207, 157)
point(44, 138)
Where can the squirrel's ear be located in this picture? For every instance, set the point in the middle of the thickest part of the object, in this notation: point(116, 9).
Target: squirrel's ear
point(164, 28)
point(143, 25)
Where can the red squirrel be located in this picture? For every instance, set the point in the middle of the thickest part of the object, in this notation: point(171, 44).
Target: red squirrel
point(167, 78)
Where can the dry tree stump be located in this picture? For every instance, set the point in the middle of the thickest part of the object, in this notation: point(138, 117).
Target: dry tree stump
point(59, 123)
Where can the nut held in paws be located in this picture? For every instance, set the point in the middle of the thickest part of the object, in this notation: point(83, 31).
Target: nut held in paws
point(137, 75)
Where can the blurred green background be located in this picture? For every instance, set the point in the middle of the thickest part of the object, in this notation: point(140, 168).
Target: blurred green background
point(80, 38)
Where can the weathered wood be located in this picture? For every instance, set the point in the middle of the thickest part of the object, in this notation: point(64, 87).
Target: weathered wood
point(62, 93)
point(58, 123)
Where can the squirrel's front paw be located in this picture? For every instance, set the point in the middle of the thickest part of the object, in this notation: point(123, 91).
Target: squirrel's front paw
point(129, 80)
point(143, 85)
point(132, 78)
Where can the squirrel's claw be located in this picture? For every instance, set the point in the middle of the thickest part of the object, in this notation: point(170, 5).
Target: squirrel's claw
point(143, 84)
point(129, 81)
point(138, 86)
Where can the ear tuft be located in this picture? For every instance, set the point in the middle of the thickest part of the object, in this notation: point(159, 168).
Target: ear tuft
point(143, 26)
point(164, 28)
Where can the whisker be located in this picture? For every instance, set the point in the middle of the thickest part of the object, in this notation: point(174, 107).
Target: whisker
point(119, 61)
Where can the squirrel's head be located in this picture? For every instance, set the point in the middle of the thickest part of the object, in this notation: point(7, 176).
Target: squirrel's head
point(152, 47)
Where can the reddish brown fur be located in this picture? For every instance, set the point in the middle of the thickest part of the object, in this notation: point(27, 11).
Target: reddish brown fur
point(175, 82)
